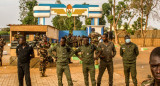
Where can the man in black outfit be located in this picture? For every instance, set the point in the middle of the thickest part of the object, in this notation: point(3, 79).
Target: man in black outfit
point(24, 53)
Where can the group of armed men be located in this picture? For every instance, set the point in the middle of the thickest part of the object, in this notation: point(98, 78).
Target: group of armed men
point(88, 52)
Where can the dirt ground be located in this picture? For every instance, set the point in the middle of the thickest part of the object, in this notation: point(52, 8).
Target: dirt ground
point(8, 74)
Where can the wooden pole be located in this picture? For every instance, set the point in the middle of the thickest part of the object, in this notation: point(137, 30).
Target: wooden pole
point(74, 23)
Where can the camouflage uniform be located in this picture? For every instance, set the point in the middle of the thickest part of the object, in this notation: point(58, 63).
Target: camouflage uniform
point(108, 52)
point(75, 41)
point(94, 40)
point(69, 42)
point(40, 37)
point(37, 37)
point(129, 53)
point(17, 36)
point(42, 50)
point(62, 55)
point(79, 41)
point(88, 62)
point(2, 43)
point(149, 82)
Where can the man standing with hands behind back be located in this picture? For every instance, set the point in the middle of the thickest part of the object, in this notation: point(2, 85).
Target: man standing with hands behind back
point(129, 52)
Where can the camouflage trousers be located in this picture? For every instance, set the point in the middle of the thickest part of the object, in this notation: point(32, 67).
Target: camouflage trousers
point(102, 68)
point(89, 68)
point(63, 69)
point(79, 43)
point(130, 68)
point(43, 65)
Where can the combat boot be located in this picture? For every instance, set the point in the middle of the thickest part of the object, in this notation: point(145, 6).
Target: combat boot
point(41, 74)
point(98, 84)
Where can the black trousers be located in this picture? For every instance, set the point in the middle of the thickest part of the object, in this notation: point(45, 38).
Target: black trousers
point(24, 70)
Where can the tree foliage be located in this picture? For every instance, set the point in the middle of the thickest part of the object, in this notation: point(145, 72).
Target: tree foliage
point(65, 23)
point(30, 19)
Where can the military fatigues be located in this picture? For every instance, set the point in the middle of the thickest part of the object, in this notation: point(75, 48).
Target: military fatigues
point(149, 82)
point(94, 40)
point(37, 38)
point(108, 51)
point(88, 62)
point(79, 41)
point(129, 53)
point(24, 56)
point(69, 42)
point(2, 43)
point(42, 50)
point(17, 36)
point(75, 42)
point(62, 55)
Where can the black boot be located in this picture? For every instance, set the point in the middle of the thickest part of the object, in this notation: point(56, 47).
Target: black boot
point(98, 84)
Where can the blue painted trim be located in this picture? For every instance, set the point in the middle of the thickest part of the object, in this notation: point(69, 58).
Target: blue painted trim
point(95, 12)
point(84, 6)
point(89, 33)
point(92, 21)
point(38, 21)
point(102, 32)
point(98, 21)
point(48, 11)
point(89, 30)
point(44, 21)
point(54, 5)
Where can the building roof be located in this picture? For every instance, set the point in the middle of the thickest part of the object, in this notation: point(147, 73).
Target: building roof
point(28, 25)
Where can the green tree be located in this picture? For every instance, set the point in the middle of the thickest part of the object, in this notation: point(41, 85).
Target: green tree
point(107, 11)
point(145, 8)
point(23, 9)
point(87, 21)
point(102, 21)
point(83, 27)
point(30, 19)
point(65, 23)
point(7, 29)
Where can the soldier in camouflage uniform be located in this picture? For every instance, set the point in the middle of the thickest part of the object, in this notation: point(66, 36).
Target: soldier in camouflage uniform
point(63, 52)
point(79, 41)
point(37, 37)
point(87, 58)
point(42, 48)
point(70, 44)
point(2, 43)
point(155, 69)
point(40, 37)
point(129, 52)
point(94, 40)
point(108, 52)
point(94, 37)
point(17, 36)
point(74, 41)
point(69, 40)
